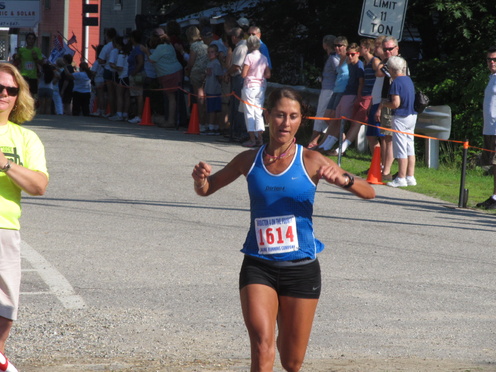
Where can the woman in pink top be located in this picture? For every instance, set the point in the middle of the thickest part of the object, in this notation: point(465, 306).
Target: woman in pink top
point(255, 71)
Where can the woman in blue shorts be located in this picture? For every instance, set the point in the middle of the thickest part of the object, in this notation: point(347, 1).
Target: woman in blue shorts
point(280, 277)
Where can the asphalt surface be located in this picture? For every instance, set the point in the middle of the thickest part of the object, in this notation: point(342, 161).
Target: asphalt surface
point(127, 269)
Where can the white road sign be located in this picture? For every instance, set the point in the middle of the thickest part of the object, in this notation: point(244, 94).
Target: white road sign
point(383, 17)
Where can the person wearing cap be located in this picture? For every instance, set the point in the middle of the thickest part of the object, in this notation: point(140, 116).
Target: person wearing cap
point(244, 23)
point(209, 39)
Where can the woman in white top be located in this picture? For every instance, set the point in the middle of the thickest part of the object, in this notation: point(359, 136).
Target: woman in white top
point(81, 93)
point(255, 72)
point(122, 84)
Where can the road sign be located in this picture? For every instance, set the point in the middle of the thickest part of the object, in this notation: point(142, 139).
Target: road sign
point(383, 17)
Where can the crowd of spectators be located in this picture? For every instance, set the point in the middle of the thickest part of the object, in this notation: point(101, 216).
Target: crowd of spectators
point(368, 83)
point(223, 69)
point(175, 68)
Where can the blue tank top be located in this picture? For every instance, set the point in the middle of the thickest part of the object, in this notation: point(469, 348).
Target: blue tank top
point(281, 205)
point(342, 78)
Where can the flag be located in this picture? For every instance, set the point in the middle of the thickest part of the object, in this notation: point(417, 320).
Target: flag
point(59, 49)
point(58, 42)
point(72, 40)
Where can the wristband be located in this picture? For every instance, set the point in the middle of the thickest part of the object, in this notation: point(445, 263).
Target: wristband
point(202, 185)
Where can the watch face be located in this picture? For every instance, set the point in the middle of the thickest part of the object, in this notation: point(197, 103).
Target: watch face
point(6, 167)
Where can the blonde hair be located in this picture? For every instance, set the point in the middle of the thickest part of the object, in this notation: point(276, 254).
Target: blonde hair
point(24, 106)
point(193, 34)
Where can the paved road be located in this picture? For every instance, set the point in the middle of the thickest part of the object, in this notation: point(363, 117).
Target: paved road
point(125, 268)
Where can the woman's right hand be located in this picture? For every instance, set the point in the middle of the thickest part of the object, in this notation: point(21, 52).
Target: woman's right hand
point(201, 172)
point(378, 115)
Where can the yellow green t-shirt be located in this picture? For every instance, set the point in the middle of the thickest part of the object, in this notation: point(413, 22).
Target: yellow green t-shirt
point(29, 67)
point(23, 147)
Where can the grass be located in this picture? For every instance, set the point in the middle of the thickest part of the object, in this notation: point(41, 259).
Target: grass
point(442, 183)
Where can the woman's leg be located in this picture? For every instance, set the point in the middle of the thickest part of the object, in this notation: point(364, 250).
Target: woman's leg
point(402, 167)
point(171, 121)
point(100, 96)
point(119, 99)
point(41, 108)
point(200, 92)
point(111, 87)
point(85, 103)
point(388, 154)
point(294, 321)
point(410, 170)
point(5, 327)
point(76, 103)
point(260, 306)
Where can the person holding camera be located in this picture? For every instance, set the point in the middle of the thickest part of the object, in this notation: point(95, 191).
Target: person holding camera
point(401, 102)
point(383, 114)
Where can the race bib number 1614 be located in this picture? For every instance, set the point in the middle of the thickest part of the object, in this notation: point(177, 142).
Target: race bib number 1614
point(276, 234)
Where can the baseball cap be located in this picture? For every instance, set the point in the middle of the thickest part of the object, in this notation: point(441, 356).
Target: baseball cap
point(243, 22)
point(206, 32)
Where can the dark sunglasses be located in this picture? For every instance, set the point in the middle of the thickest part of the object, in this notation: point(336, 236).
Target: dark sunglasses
point(490, 59)
point(351, 54)
point(11, 91)
point(389, 49)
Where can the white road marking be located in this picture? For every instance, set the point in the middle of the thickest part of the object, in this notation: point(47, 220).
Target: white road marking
point(58, 284)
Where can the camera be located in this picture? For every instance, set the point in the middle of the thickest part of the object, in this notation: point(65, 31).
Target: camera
point(385, 71)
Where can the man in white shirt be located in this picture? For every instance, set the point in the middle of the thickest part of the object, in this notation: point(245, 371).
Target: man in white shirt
point(489, 130)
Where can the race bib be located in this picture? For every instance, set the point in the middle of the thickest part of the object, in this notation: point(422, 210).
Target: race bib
point(29, 66)
point(276, 234)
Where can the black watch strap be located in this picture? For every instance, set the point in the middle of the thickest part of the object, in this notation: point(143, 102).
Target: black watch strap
point(351, 180)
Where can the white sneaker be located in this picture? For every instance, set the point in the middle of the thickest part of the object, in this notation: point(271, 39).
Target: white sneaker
point(5, 365)
point(411, 181)
point(398, 182)
point(135, 120)
point(116, 118)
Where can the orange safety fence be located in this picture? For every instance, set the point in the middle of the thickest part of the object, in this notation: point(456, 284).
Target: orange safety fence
point(465, 143)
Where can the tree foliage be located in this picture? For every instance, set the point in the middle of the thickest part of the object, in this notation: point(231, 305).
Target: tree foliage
point(455, 35)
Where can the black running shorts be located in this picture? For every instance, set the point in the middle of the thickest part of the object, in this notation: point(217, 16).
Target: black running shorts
point(301, 280)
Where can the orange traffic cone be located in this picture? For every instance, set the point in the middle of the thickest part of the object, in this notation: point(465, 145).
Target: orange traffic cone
point(375, 173)
point(146, 117)
point(194, 121)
